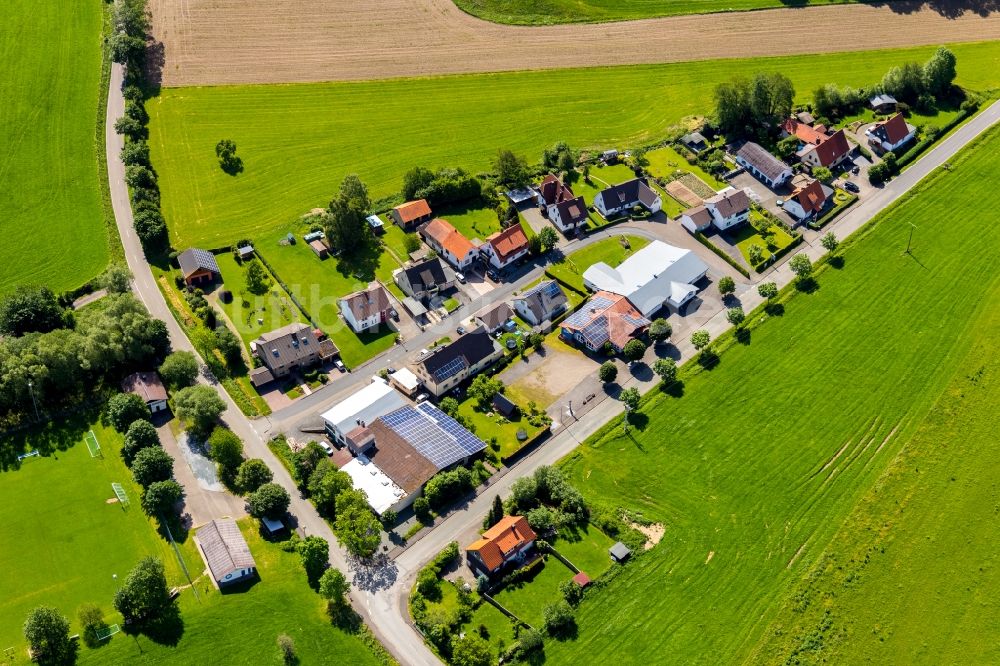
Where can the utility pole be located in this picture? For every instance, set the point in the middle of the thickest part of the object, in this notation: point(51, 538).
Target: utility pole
point(909, 241)
point(34, 404)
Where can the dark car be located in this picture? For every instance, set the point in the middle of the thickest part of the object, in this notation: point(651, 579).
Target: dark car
point(851, 187)
point(493, 275)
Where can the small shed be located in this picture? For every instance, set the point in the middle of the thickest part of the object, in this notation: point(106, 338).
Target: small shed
point(313, 235)
point(883, 103)
point(319, 248)
point(695, 141)
point(376, 224)
point(260, 376)
point(271, 526)
point(225, 551)
point(503, 404)
point(581, 579)
point(619, 552)
point(245, 252)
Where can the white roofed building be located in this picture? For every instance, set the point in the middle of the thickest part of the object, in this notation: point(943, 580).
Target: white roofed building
point(657, 275)
point(362, 407)
point(383, 493)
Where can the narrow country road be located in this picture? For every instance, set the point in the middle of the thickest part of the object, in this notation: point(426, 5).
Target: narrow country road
point(393, 632)
point(384, 608)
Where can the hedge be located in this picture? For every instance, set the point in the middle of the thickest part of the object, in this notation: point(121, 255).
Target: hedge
point(829, 216)
point(773, 259)
point(729, 260)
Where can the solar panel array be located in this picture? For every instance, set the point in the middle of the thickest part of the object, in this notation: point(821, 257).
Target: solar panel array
point(450, 369)
point(205, 259)
point(582, 317)
point(595, 334)
point(435, 435)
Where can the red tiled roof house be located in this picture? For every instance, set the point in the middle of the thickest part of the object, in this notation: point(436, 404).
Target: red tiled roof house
point(504, 248)
point(505, 543)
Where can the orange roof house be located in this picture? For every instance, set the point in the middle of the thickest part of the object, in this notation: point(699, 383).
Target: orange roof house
point(812, 198)
point(606, 317)
point(804, 133)
point(506, 246)
point(505, 542)
point(411, 213)
point(449, 242)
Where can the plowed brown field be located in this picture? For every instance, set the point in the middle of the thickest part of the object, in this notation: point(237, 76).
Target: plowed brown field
point(209, 42)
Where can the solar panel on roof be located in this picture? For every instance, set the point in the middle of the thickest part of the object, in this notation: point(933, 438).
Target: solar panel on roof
point(435, 435)
point(450, 369)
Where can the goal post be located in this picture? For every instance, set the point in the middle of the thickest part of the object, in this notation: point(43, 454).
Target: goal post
point(92, 445)
point(120, 494)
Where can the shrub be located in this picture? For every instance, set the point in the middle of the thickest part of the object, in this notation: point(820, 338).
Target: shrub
point(700, 339)
point(767, 290)
point(422, 510)
point(727, 285)
point(660, 330)
point(91, 619)
point(287, 648)
point(735, 316)
point(140, 435)
point(268, 501)
point(179, 370)
point(801, 266)
point(252, 474)
point(558, 619)
point(666, 368)
point(608, 372)
point(124, 409)
point(634, 350)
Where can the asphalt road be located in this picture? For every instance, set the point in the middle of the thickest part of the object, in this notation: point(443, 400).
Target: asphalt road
point(379, 592)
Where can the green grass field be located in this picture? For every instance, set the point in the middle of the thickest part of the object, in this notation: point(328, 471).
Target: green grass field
point(610, 250)
point(529, 12)
point(664, 161)
point(62, 540)
point(294, 156)
point(51, 212)
point(275, 308)
point(816, 407)
point(242, 627)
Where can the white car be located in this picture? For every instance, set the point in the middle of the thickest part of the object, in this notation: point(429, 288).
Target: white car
point(460, 277)
point(326, 447)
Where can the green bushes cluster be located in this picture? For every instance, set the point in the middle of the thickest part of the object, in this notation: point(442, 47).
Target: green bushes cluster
point(547, 489)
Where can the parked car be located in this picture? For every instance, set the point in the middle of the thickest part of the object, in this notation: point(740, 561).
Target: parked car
point(780, 202)
point(394, 315)
point(851, 187)
point(326, 447)
point(339, 365)
point(422, 397)
point(460, 277)
point(460, 330)
point(493, 275)
point(856, 170)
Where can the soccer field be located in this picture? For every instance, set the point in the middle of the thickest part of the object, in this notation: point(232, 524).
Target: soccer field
point(759, 462)
point(298, 141)
point(51, 213)
point(62, 541)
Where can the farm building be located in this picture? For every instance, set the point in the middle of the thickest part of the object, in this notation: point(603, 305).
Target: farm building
point(883, 103)
point(411, 214)
point(198, 267)
point(225, 552)
point(695, 142)
point(319, 248)
point(147, 385)
point(619, 552)
point(507, 542)
point(762, 164)
point(657, 275)
point(376, 224)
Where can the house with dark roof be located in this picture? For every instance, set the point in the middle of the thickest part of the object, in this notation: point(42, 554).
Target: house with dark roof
point(225, 552)
point(504, 405)
point(604, 318)
point(198, 267)
point(552, 191)
point(544, 302)
point(698, 218)
point(890, 135)
point(147, 385)
point(809, 201)
point(411, 214)
point(569, 216)
point(495, 318)
point(449, 243)
point(625, 196)
point(506, 543)
point(883, 103)
point(453, 363)
point(728, 208)
point(763, 165)
point(424, 279)
point(695, 142)
point(366, 309)
point(505, 247)
point(292, 347)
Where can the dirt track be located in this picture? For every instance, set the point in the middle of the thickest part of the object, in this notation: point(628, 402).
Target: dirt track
point(209, 42)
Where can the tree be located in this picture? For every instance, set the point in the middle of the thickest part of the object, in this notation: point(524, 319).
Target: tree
point(727, 285)
point(608, 372)
point(571, 592)
point(536, 340)
point(160, 497)
point(268, 501)
point(325, 484)
point(449, 406)
point(472, 650)
point(829, 241)
point(135, 152)
point(116, 279)
point(47, 633)
point(756, 253)
point(801, 266)
point(771, 98)
point(315, 554)
point(732, 106)
point(495, 514)
point(126, 48)
point(143, 596)
point(939, 72)
point(422, 510)
point(529, 640)
point(286, 646)
point(179, 370)
point(226, 449)
point(534, 245)
point(630, 398)
point(150, 227)
point(138, 176)
point(356, 525)
point(152, 464)
point(787, 147)
point(256, 278)
point(252, 474)
point(483, 389)
point(225, 150)
point(199, 406)
point(512, 170)
point(905, 83)
point(140, 435)
point(666, 368)
point(700, 339)
point(735, 316)
point(124, 409)
point(29, 310)
point(229, 345)
point(345, 224)
point(333, 586)
point(660, 330)
point(558, 618)
point(822, 174)
point(411, 242)
point(91, 619)
point(415, 180)
point(744, 106)
point(767, 290)
point(548, 238)
point(306, 460)
point(634, 350)
point(130, 127)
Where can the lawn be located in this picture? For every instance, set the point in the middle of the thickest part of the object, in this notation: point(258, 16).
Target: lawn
point(529, 598)
point(62, 540)
point(601, 178)
point(610, 250)
point(746, 235)
point(242, 626)
point(294, 156)
point(250, 313)
point(52, 215)
point(817, 406)
point(664, 161)
point(497, 426)
point(471, 222)
point(527, 12)
point(587, 548)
